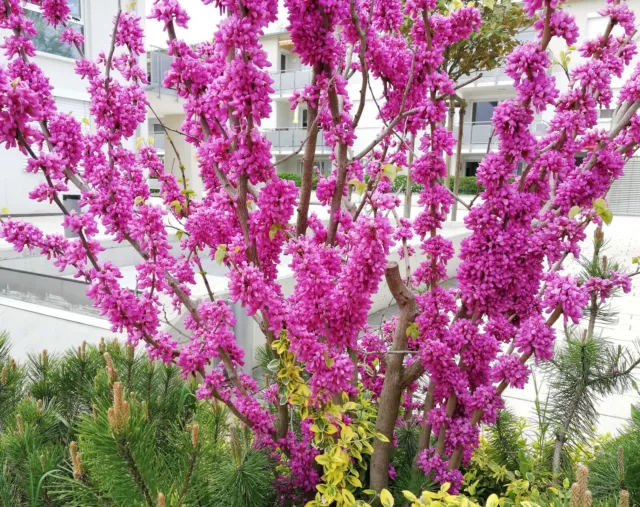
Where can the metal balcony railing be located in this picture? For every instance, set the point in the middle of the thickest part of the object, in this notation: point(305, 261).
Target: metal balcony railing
point(489, 78)
point(158, 63)
point(286, 140)
point(476, 135)
point(289, 80)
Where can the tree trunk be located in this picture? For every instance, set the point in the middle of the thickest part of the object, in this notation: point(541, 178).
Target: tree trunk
point(450, 116)
point(408, 190)
point(561, 434)
point(557, 452)
point(307, 166)
point(394, 380)
point(458, 169)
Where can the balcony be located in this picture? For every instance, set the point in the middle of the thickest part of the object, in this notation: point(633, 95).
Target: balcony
point(489, 78)
point(476, 136)
point(288, 140)
point(158, 63)
point(285, 82)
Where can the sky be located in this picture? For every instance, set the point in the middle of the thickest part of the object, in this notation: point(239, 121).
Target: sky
point(204, 19)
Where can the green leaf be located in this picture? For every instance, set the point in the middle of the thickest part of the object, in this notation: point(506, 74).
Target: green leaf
point(390, 171)
point(412, 330)
point(600, 203)
point(410, 496)
point(574, 211)
point(5, 211)
point(635, 415)
point(606, 215)
point(274, 365)
point(221, 253)
point(176, 206)
point(634, 260)
point(360, 186)
point(179, 235)
point(565, 483)
point(138, 200)
point(273, 231)
point(86, 121)
point(329, 362)
point(386, 498)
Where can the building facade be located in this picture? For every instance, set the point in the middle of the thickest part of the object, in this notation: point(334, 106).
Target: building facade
point(495, 86)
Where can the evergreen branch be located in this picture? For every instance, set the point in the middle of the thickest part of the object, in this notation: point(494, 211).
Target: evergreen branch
point(126, 454)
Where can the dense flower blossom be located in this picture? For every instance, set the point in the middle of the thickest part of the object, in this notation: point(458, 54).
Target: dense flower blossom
point(563, 292)
point(510, 287)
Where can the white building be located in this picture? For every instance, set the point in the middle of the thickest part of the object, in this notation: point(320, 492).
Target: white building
point(94, 19)
point(495, 86)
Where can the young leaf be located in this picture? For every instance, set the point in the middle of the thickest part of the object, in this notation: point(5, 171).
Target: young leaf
point(606, 215)
point(390, 170)
point(600, 204)
point(574, 211)
point(221, 253)
point(273, 231)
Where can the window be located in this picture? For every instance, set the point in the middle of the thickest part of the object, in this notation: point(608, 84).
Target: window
point(596, 25)
point(470, 168)
point(48, 38)
point(482, 111)
point(606, 114)
point(283, 62)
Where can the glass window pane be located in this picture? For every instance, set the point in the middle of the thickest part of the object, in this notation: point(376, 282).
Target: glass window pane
point(483, 111)
point(74, 5)
point(48, 38)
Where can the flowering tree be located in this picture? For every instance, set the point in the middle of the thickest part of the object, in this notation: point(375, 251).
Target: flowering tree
point(346, 384)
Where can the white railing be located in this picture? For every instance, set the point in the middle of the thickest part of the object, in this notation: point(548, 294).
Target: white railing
point(158, 64)
point(476, 135)
point(489, 78)
point(285, 82)
point(286, 140)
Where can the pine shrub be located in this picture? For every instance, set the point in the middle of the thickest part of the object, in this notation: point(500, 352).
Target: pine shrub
point(104, 425)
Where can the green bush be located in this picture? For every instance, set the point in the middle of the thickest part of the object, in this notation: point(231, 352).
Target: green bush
point(400, 184)
point(467, 185)
point(104, 425)
point(623, 450)
point(297, 179)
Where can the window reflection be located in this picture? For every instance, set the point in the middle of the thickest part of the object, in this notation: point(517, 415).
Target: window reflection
point(48, 38)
